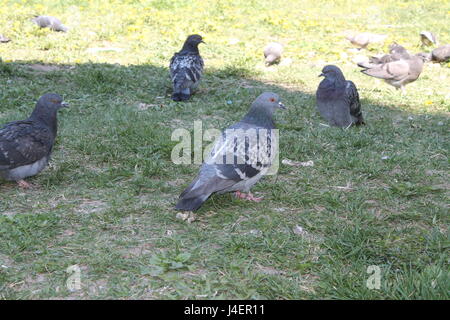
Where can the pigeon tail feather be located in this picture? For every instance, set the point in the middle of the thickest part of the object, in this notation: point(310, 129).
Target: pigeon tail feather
point(190, 204)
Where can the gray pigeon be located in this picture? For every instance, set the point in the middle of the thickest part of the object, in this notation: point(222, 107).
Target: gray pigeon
point(4, 39)
point(441, 54)
point(398, 73)
point(239, 158)
point(338, 99)
point(26, 145)
point(272, 53)
point(362, 40)
point(428, 38)
point(49, 22)
point(186, 68)
point(396, 52)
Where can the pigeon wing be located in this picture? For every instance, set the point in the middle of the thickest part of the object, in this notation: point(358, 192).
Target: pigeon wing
point(23, 143)
point(351, 93)
point(396, 70)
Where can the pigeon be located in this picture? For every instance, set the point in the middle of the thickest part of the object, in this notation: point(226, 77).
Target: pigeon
point(337, 99)
point(239, 158)
point(428, 38)
point(4, 39)
point(398, 73)
point(362, 40)
point(272, 53)
point(50, 22)
point(396, 52)
point(186, 68)
point(26, 145)
point(441, 54)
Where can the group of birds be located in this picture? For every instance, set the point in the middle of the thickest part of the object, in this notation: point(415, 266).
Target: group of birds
point(26, 145)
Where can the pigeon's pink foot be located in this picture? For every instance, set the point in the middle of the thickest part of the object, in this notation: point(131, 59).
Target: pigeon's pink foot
point(248, 196)
point(240, 195)
point(24, 185)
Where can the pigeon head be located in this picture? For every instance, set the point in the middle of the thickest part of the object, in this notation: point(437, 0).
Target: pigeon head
point(426, 57)
point(268, 101)
point(51, 102)
point(46, 109)
point(262, 109)
point(192, 42)
point(332, 73)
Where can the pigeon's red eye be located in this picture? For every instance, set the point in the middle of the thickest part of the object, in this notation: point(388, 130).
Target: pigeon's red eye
point(272, 99)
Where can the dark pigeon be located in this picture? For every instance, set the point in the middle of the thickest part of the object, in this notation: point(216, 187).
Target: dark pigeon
point(239, 144)
point(26, 145)
point(338, 99)
point(50, 22)
point(186, 68)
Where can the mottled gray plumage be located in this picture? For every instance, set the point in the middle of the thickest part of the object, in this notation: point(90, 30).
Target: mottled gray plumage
point(337, 99)
point(398, 73)
point(428, 38)
point(441, 54)
point(26, 145)
point(244, 140)
point(186, 68)
point(50, 22)
point(272, 53)
point(4, 39)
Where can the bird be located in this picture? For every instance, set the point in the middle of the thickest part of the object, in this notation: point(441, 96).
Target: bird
point(4, 39)
point(398, 73)
point(186, 68)
point(428, 38)
point(50, 22)
point(241, 156)
point(272, 53)
point(396, 52)
point(441, 54)
point(26, 145)
point(362, 40)
point(337, 99)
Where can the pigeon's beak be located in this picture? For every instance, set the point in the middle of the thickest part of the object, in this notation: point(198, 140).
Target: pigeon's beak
point(281, 106)
point(201, 41)
point(322, 75)
point(64, 104)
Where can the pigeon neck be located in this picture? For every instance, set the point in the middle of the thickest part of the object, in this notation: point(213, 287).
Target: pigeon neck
point(46, 117)
point(190, 47)
point(260, 116)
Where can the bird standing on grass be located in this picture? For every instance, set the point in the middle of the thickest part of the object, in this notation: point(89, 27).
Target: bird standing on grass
point(50, 22)
point(441, 54)
point(428, 38)
point(338, 99)
point(26, 145)
point(272, 53)
point(243, 154)
point(362, 40)
point(398, 73)
point(186, 68)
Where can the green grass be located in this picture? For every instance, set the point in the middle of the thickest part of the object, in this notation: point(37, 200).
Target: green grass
point(376, 195)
